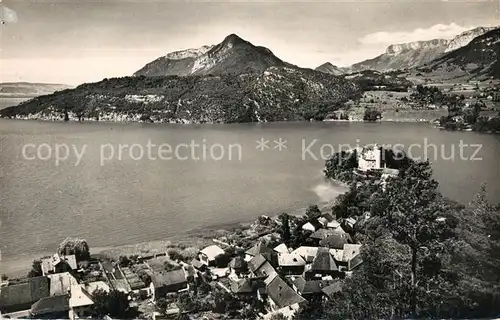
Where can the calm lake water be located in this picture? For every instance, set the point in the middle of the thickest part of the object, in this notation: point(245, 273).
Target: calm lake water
point(129, 201)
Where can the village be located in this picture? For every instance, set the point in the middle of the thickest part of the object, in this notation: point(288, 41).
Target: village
point(274, 269)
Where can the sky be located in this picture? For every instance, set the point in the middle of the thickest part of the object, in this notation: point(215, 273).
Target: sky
point(77, 41)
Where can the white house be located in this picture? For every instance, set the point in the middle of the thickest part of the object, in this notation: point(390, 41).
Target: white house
point(309, 226)
point(209, 254)
point(371, 159)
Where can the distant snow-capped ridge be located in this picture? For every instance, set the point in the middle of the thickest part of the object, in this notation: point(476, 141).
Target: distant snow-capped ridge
point(466, 37)
point(188, 53)
point(396, 49)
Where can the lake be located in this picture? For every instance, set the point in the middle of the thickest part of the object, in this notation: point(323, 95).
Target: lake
point(110, 194)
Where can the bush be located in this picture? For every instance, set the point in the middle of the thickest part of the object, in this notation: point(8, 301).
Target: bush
point(175, 255)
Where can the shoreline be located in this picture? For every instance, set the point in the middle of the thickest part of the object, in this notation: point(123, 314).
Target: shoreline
point(188, 122)
point(189, 241)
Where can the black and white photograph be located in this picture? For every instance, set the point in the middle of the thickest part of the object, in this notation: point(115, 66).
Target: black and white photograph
point(249, 159)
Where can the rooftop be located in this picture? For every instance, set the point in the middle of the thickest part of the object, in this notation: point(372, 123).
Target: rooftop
point(212, 251)
point(168, 278)
point(281, 293)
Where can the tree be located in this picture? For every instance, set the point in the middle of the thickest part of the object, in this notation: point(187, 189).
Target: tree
point(408, 211)
point(36, 269)
point(372, 115)
point(313, 212)
point(124, 261)
point(76, 246)
point(4, 277)
point(284, 229)
point(113, 303)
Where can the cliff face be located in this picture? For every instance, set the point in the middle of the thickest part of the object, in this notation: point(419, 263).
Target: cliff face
point(466, 37)
point(404, 56)
point(419, 53)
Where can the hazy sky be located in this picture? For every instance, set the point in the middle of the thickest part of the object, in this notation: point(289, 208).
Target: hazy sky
point(75, 41)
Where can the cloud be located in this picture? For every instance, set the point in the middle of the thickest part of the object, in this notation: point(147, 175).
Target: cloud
point(438, 31)
point(7, 15)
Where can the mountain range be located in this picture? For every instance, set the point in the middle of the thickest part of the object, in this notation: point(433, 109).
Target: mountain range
point(480, 57)
point(236, 81)
point(412, 54)
point(232, 56)
point(28, 89)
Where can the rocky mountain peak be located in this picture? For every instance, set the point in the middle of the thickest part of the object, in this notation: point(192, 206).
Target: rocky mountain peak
point(417, 45)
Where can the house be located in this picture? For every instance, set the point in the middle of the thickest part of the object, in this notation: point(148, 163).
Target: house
point(280, 294)
point(58, 263)
point(54, 307)
point(349, 223)
point(371, 158)
point(309, 227)
point(337, 254)
point(323, 221)
point(262, 249)
point(80, 302)
point(259, 267)
point(335, 240)
point(20, 296)
point(281, 248)
point(238, 266)
point(307, 253)
point(310, 289)
point(61, 283)
point(198, 265)
point(242, 287)
point(322, 265)
point(209, 255)
point(328, 216)
point(350, 251)
point(291, 263)
point(334, 224)
point(168, 282)
point(331, 290)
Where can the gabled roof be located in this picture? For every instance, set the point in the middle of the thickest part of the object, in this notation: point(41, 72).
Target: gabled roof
point(281, 248)
point(290, 260)
point(49, 264)
point(24, 294)
point(333, 224)
point(60, 283)
point(321, 234)
point(197, 264)
point(323, 261)
point(307, 253)
point(323, 221)
point(256, 262)
point(350, 251)
point(334, 241)
point(328, 216)
point(259, 247)
point(332, 289)
point(238, 263)
point(281, 293)
point(168, 278)
point(53, 304)
point(242, 286)
point(260, 267)
point(310, 286)
point(80, 297)
point(337, 254)
point(212, 251)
